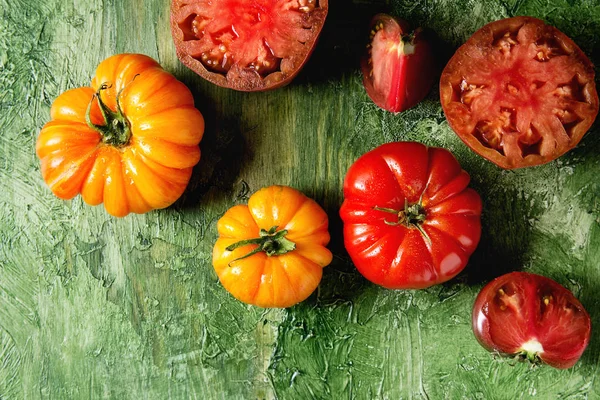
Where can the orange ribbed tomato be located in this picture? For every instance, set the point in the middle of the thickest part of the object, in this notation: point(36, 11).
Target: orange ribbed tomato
point(129, 141)
point(271, 253)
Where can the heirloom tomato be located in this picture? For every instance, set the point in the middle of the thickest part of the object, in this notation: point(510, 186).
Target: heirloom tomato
point(247, 45)
point(271, 252)
point(399, 67)
point(410, 221)
point(128, 141)
point(519, 92)
point(532, 317)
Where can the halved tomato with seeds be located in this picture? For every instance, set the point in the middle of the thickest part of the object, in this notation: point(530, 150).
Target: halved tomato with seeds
point(247, 45)
point(519, 92)
point(532, 317)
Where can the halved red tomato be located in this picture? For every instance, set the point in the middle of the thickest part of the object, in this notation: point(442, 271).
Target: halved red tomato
point(519, 92)
point(410, 219)
point(399, 67)
point(533, 317)
point(247, 45)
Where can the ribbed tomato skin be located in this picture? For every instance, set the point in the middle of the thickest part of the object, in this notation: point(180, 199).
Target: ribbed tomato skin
point(276, 281)
point(401, 257)
point(152, 170)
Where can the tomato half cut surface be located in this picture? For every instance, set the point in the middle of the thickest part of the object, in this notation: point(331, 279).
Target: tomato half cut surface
point(247, 45)
point(410, 220)
point(519, 92)
point(399, 67)
point(531, 316)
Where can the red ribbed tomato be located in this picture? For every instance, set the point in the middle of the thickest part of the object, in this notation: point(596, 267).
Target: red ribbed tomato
point(533, 317)
point(247, 45)
point(410, 221)
point(519, 92)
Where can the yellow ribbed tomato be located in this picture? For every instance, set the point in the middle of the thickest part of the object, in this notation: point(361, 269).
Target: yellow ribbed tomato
point(129, 141)
point(271, 253)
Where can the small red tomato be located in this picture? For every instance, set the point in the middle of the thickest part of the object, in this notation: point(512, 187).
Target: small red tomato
point(533, 317)
point(410, 221)
point(399, 67)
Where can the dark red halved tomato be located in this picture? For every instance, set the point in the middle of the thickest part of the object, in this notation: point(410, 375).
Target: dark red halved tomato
point(247, 45)
point(519, 92)
point(533, 317)
point(399, 67)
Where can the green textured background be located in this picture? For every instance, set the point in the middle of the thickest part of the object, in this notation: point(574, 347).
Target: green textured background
point(97, 307)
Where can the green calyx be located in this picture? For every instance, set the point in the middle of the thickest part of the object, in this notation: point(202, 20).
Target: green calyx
point(532, 357)
point(531, 351)
point(272, 242)
point(116, 130)
point(412, 216)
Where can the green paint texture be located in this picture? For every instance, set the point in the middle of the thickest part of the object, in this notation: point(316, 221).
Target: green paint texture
point(97, 307)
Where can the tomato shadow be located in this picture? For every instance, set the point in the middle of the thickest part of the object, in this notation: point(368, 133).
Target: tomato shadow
point(506, 233)
point(342, 41)
point(222, 148)
point(503, 248)
point(584, 160)
point(589, 300)
point(341, 280)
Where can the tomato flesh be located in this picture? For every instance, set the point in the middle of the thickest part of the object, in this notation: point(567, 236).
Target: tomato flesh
point(250, 45)
point(533, 316)
point(519, 92)
point(398, 69)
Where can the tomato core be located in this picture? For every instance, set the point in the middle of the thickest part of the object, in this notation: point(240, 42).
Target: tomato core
point(532, 350)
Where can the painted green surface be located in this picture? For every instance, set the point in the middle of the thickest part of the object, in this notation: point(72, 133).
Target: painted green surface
point(97, 307)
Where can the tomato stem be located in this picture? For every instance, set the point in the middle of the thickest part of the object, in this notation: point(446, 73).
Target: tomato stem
point(412, 216)
point(116, 129)
point(272, 242)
